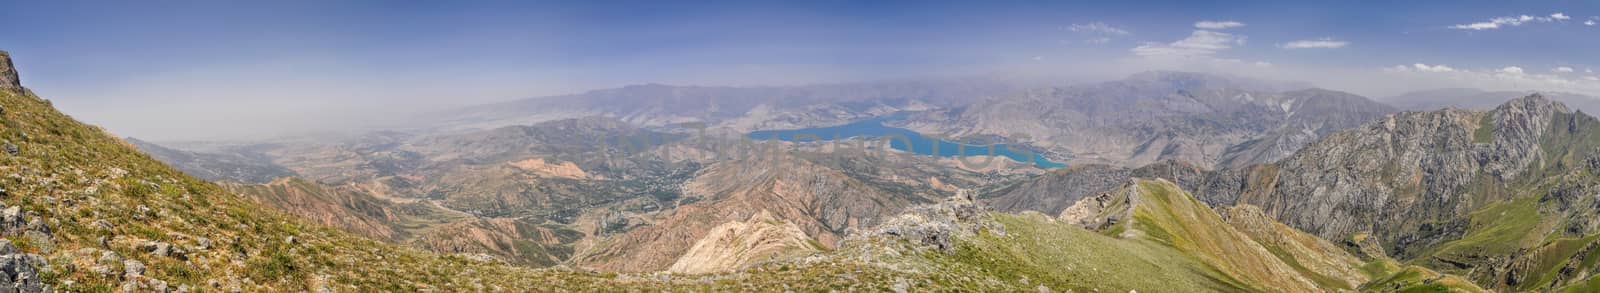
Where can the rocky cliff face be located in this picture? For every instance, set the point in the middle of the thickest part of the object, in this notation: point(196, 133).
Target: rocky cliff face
point(1492, 195)
point(8, 74)
point(1428, 167)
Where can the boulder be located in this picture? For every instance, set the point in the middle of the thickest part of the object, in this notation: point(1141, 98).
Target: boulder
point(19, 272)
point(132, 268)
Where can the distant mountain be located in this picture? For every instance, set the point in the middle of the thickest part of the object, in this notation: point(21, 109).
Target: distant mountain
point(226, 167)
point(1502, 197)
point(1053, 192)
point(1210, 120)
point(1476, 99)
point(739, 108)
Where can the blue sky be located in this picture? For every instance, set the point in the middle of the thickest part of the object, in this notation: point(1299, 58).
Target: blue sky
point(210, 69)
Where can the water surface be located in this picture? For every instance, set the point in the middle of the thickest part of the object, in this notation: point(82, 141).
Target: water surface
point(906, 140)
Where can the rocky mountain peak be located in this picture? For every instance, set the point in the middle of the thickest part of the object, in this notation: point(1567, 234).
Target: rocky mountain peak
point(8, 74)
point(1535, 103)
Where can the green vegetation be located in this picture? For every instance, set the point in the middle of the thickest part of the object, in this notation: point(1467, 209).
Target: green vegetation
point(1500, 228)
point(1485, 131)
point(1418, 280)
point(1063, 256)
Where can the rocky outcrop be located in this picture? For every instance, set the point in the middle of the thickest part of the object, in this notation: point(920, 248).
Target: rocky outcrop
point(734, 245)
point(941, 224)
point(19, 272)
point(8, 74)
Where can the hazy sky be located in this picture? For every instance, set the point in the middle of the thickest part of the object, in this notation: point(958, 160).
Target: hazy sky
point(170, 70)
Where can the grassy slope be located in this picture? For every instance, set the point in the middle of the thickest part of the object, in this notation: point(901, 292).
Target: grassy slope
point(1184, 247)
point(1064, 256)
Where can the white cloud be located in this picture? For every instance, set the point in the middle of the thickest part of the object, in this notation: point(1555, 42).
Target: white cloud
point(1512, 70)
point(1587, 70)
point(1097, 28)
point(1591, 22)
point(1591, 78)
point(1499, 22)
point(1199, 43)
point(1563, 69)
point(1324, 43)
point(1434, 68)
point(1098, 41)
point(1217, 25)
point(1419, 67)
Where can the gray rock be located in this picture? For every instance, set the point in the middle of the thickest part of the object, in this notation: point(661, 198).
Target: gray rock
point(11, 149)
point(939, 225)
point(109, 257)
point(203, 243)
point(11, 220)
point(38, 225)
point(101, 225)
point(20, 273)
point(163, 249)
point(159, 285)
point(132, 268)
point(6, 248)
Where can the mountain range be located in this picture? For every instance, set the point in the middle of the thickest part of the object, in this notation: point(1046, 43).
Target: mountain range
point(1177, 182)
